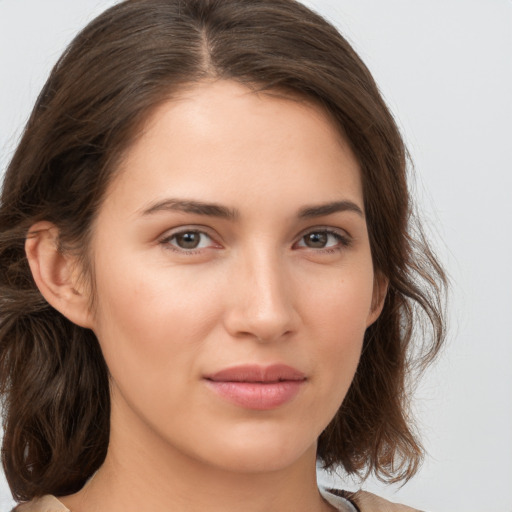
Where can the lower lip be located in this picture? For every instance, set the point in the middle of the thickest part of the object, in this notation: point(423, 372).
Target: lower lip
point(259, 396)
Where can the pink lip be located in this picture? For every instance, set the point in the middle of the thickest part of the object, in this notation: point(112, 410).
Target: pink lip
point(257, 387)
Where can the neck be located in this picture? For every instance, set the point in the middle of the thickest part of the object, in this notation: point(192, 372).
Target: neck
point(133, 485)
point(141, 473)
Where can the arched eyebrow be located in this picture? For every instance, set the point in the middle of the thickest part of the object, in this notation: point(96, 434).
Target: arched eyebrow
point(189, 206)
point(321, 210)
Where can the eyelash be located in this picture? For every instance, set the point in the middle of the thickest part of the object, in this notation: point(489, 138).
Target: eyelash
point(188, 252)
point(344, 241)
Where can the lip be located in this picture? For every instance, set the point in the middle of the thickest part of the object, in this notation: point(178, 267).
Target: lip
point(257, 387)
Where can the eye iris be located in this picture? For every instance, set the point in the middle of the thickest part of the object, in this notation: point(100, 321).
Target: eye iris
point(188, 240)
point(316, 240)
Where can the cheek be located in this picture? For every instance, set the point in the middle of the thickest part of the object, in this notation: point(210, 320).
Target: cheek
point(152, 328)
point(148, 320)
point(338, 311)
point(340, 303)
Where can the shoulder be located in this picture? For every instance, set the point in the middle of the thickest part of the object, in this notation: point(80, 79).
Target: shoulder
point(44, 504)
point(368, 502)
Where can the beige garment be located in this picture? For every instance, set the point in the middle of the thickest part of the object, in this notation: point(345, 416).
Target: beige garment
point(45, 504)
point(368, 502)
point(365, 501)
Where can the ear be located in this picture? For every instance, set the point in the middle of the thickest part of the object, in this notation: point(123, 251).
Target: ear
point(380, 290)
point(56, 274)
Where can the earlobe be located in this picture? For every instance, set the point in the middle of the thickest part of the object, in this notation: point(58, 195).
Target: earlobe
point(380, 290)
point(55, 274)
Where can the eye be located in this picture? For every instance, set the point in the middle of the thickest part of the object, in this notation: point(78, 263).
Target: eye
point(323, 239)
point(189, 240)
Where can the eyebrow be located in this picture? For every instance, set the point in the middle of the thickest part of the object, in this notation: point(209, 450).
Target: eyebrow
point(189, 206)
point(217, 210)
point(310, 212)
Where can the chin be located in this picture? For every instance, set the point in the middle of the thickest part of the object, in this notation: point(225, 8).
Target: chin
point(260, 452)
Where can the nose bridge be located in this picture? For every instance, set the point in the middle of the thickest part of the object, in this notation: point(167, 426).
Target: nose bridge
point(262, 303)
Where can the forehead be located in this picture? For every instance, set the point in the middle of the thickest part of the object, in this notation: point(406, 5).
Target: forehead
point(219, 138)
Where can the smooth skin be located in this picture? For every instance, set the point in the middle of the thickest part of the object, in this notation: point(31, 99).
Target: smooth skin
point(234, 233)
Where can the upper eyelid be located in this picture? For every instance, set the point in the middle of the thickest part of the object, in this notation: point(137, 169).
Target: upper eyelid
point(170, 233)
point(344, 239)
point(166, 239)
point(216, 237)
point(325, 229)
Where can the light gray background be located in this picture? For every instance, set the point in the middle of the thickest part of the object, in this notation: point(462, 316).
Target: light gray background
point(445, 68)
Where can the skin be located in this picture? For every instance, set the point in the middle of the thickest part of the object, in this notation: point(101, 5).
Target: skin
point(265, 285)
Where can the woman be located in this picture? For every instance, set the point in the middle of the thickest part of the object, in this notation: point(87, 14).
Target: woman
point(209, 272)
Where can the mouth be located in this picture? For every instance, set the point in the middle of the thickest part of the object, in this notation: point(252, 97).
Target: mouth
point(258, 374)
point(257, 387)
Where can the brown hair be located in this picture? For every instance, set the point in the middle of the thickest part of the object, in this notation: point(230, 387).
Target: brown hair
point(53, 378)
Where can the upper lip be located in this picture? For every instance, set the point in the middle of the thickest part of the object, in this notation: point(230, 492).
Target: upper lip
point(257, 373)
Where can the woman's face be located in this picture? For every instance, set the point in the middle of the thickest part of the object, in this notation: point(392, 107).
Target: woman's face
point(234, 279)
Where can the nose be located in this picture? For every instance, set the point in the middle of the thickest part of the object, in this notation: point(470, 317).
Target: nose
point(261, 299)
